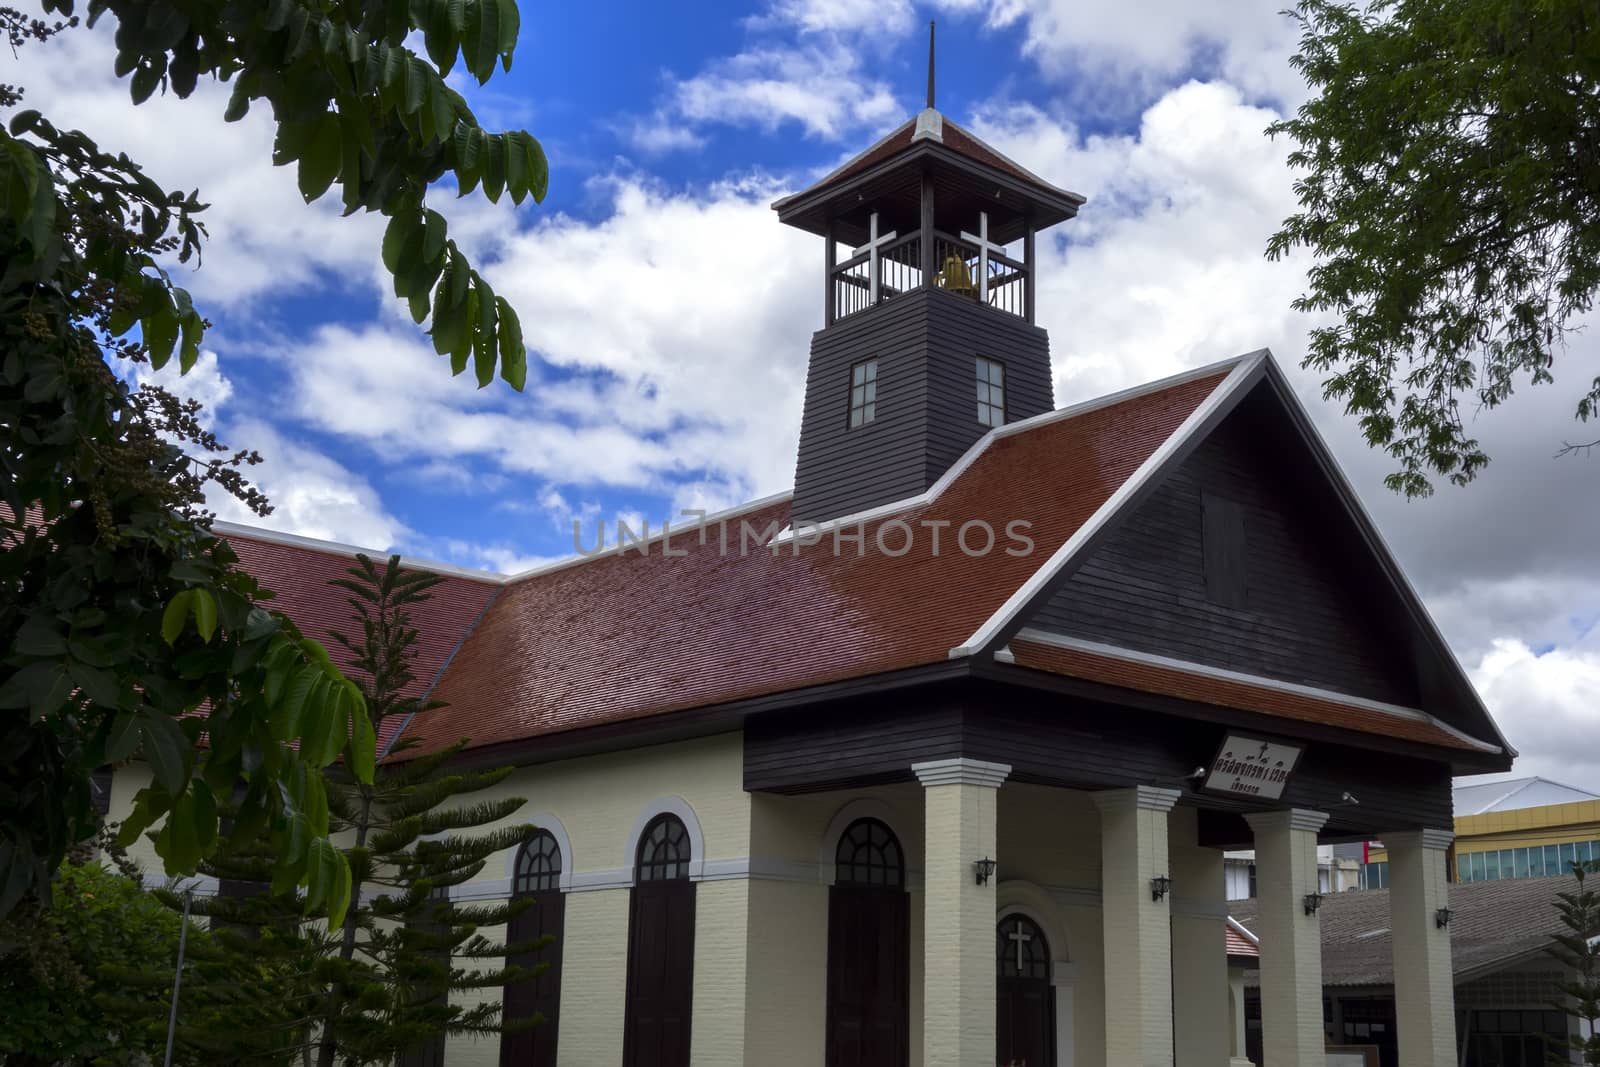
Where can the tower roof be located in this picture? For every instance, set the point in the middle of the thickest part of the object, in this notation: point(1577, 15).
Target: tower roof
point(976, 168)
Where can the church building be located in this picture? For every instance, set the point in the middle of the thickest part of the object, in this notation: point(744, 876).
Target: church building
point(934, 760)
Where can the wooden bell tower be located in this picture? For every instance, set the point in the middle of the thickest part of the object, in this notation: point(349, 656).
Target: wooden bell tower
point(928, 338)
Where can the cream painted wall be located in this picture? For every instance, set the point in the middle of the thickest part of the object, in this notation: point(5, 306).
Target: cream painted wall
point(1050, 839)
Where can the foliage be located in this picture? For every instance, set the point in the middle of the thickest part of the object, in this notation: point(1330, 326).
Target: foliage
point(126, 626)
point(53, 963)
point(389, 977)
point(1451, 197)
point(1578, 949)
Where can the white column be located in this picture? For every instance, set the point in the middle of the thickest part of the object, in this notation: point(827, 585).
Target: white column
point(1291, 940)
point(1424, 992)
point(1137, 928)
point(1236, 1007)
point(958, 1001)
point(1200, 1018)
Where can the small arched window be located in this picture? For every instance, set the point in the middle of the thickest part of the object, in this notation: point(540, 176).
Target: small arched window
point(663, 850)
point(538, 865)
point(869, 855)
point(1021, 950)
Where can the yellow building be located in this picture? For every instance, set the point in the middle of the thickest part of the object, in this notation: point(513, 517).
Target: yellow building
point(1522, 828)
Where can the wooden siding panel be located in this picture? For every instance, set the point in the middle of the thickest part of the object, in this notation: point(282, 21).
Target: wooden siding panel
point(1072, 742)
point(925, 343)
point(1301, 618)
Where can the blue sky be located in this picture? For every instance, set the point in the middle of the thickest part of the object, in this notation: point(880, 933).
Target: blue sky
point(671, 314)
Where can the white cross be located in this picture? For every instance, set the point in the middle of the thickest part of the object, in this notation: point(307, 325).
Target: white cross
point(1019, 938)
point(981, 239)
point(874, 241)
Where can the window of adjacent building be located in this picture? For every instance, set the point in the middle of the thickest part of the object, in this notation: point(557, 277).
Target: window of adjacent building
point(1375, 875)
point(660, 949)
point(991, 392)
point(538, 876)
point(1535, 861)
point(1222, 537)
point(863, 392)
point(1512, 1038)
point(1252, 881)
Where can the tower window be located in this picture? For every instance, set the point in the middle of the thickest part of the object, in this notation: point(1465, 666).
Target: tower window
point(863, 392)
point(991, 392)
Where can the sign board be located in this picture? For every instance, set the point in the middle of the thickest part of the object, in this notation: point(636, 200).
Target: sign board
point(1251, 767)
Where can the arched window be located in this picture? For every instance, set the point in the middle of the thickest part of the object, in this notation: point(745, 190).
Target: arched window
point(1025, 1009)
point(660, 948)
point(538, 866)
point(537, 876)
point(664, 850)
point(869, 949)
point(869, 854)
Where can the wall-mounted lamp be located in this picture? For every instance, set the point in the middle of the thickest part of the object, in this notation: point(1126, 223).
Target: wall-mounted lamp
point(984, 869)
point(1442, 917)
point(1159, 886)
point(1312, 901)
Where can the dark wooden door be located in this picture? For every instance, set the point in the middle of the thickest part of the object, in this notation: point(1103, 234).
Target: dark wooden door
point(869, 977)
point(1025, 1004)
point(660, 974)
point(542, 996)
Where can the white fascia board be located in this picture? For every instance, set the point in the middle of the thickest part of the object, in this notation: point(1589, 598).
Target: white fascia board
point(337, 548)
point(1244, 372)
point(1398, 711)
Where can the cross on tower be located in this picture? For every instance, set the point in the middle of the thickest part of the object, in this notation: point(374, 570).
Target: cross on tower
point(985, 246)
point(1020, 939)
point(874, 261)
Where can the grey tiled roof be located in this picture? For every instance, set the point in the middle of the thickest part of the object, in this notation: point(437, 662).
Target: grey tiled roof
point(1495, 923)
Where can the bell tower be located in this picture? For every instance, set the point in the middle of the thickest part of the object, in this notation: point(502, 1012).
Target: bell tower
point(928, 338)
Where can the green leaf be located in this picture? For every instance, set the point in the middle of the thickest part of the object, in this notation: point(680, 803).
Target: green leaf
point(462, 350)
point(149, 804)
point(324, 155)
point(439, 36)
point(395, 236)
point(23, 121)
point(538, 168)
point(483, 38)
point(238, 101)
point(288, 718)
point(432, 235)
point(513, 358)
point(161, 332)
point(166, 747)
point(173, 618)
point(321, 872)
point(205, 612)
point(363, 747)
point(123, 739)
point(420, 80)
point(145, 80)
point(339, 893)
point(510, 29)
point(483, 350)
point(494, 164)
point(40, 687)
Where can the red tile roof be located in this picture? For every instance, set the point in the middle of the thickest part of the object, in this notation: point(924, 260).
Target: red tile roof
point(624, 636)
point(1239, 945)
point(1207, 687)
point(299, 575)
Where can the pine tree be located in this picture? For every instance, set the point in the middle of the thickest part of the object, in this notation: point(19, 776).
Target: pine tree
point(388, 980)
point(1578, 949)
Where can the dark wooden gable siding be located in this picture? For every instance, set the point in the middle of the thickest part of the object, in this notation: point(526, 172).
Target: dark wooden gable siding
point(1294, 601)
point(925, 343)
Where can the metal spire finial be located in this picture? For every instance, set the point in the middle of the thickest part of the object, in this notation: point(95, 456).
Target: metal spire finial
point(930, 63)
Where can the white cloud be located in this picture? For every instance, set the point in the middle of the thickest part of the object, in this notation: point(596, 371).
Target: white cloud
point(1117, 53)
point(821, 87)
point(205, 382)
point(876, 17)
point(1548, 705)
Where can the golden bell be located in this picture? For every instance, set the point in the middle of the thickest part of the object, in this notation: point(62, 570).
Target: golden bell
point(955, 277)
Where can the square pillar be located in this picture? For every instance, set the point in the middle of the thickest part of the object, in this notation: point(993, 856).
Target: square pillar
point(1200, 1017)
point(1291, 939)
point(958, 999)
point(1137, 928)
point(1236, 1010)
point(1424, 991)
